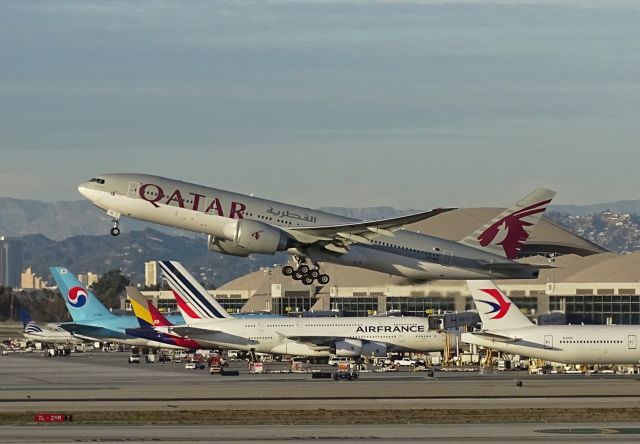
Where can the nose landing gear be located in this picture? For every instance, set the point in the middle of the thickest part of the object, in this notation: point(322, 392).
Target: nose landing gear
point(304, 273)
point(116, 222)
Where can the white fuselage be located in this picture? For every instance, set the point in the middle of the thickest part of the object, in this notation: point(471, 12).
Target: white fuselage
point(320, 336)
point(209, 210)
point(568, 344)
point(49, 335)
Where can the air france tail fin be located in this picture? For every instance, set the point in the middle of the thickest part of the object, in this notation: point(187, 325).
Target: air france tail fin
point(194, 302)
point(506, 234)
point(82, 304)
point(496, 311)
point(147, 313)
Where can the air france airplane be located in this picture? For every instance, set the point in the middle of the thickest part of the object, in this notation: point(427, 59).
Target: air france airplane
point(506, 329)
point(91, 319)
point(241, 225)
point(208, 323)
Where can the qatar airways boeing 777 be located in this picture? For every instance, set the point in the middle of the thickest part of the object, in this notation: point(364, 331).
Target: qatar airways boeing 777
point(241, 225)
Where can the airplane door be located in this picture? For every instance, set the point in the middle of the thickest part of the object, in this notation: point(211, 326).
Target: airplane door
point(633, 342)
point(447, 257)
point(133, 189)
point(548, 341)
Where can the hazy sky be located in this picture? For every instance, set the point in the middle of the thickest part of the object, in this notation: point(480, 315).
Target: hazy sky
point(344, 103)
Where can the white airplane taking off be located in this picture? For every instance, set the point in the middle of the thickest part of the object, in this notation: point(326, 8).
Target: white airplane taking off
point(240, 225)
point(209, 324)
point(506, 329)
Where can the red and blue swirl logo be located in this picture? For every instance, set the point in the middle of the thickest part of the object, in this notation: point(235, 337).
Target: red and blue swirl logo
point(77, 297)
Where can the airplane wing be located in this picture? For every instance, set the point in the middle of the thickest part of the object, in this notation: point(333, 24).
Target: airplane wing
point(210, 335)
point(494, 336)
point(337, 238)
point(508, 266)
point(90, 331)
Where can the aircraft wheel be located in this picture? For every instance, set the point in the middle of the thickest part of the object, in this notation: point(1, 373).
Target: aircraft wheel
point(307, 280)
point(314, 274)
point(323, 279)
point(297, 275)
point(287, 270)
point(115, 231)
point(304, 269)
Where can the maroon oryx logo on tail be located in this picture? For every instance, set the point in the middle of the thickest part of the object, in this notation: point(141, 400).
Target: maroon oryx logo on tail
point(512, 229)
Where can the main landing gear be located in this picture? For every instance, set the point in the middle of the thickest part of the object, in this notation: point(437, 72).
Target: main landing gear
point(304, 273)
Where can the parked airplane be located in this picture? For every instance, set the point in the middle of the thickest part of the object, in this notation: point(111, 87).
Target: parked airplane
point(240, 225)
point(50, 333)
point(207, 322)
point(152, 322)
point(91, 319)
point(506, 329)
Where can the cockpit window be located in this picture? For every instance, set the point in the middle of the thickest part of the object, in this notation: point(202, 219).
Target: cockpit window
point(97, 180)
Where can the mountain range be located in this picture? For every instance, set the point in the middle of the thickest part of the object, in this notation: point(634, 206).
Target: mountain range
point(75, 234)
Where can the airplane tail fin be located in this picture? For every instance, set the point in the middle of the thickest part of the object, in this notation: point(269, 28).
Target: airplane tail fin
point(194, 302)
point(25, 317)
point(506, 234)
point(82, 304)
point(147, 313)
point(496, 311)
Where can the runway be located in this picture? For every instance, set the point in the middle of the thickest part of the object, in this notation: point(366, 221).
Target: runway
point(168, 403)
point(394, 434)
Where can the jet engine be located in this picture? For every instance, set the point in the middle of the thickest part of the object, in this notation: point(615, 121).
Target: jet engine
point(348, 347)
point(374, 349)
point(243, 237)
point(225, 246)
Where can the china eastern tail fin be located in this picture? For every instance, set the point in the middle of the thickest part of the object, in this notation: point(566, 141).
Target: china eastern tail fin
point(194, 302)
point(82, 304)
point(506, 234)
point(496, 311)
point(147, 313)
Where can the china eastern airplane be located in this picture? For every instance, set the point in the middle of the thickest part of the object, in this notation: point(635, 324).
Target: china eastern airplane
point(506, 329)
point(92, 320)
point(208, 323)
point(240, 225)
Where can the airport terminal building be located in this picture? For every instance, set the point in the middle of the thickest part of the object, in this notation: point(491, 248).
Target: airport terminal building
point(588, 284)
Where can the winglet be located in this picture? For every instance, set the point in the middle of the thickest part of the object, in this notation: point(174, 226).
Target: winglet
point(25, 317)
point(506, 234)
point(496, 311)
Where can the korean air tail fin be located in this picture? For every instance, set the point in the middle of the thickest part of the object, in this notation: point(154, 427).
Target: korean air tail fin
point(25, 317)
point(82, 304)
point(194, 302)
point(496, 311)
point(506, 234)
point(147, 313)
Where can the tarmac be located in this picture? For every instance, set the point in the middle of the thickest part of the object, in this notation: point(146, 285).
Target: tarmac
point(169, 403)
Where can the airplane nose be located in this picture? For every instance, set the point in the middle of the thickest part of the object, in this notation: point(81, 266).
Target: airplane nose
point(90, 193)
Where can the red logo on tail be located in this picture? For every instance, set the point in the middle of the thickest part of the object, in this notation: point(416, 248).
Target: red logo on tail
point(513, 229)
point(501, 308)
